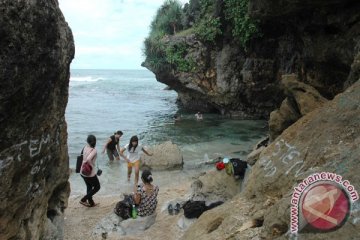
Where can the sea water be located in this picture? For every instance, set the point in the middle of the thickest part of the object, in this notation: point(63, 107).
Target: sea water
point(104, 101)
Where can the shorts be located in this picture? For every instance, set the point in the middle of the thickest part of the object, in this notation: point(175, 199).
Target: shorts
point(134, 164)
point(112, 153)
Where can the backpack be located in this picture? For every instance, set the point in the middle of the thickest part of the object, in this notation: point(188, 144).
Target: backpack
point(193, 209)
point(123, 208)
point(239, 167)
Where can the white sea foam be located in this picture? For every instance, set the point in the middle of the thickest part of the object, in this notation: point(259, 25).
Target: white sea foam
point(86, 79)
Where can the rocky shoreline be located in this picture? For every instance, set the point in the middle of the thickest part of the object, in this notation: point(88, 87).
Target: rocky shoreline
point(260, 209)
point(312, 135)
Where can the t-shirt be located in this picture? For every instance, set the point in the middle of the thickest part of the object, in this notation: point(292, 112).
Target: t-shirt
point(112, 145)
point(133, 155)
point(147, 204)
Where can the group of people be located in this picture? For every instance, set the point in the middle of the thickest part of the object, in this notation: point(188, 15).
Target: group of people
point(145, 194)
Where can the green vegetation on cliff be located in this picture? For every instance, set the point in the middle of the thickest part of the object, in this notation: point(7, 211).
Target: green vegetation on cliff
point(207, 19)
point(159, 55)
point(243, 27)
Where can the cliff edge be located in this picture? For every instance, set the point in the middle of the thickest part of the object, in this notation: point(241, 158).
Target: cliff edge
point(316, 40)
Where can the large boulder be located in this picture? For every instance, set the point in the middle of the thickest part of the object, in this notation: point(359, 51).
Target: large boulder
point(301, 99)
point(214, 186)
point(36, 48)
point(167, 156)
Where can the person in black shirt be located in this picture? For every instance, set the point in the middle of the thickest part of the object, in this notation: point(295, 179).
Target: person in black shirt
point(112, 146)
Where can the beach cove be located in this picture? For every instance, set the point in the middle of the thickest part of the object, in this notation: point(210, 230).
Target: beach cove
point(142, 107)
point(290, 64)
point(152, 120)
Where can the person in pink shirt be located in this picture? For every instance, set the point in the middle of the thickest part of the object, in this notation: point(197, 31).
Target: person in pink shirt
point(91, 180)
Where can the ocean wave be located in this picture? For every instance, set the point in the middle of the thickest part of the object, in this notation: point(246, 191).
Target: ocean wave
point(86, 79)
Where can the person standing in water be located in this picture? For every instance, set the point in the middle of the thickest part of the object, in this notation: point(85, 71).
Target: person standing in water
point(133, 154)
point(112, 146)
point(199, 116)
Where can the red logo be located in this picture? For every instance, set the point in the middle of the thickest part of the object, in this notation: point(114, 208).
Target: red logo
point(325, 207)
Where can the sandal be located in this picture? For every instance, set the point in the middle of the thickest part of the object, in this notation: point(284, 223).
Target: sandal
point(177, 208)
point(86, 204)
point(170, 209)
point(92, 203)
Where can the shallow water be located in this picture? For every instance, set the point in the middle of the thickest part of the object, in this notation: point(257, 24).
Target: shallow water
point(103, 101)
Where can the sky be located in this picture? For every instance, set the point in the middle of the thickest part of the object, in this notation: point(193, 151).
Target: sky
point(109, 34)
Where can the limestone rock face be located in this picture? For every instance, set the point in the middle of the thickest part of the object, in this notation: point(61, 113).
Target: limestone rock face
point(224, 81)
point(324, 140)
point(166, 156)
point(301, 99)
point(36, 48)
point(273, 8)
point(227, 221)
point(320, 47)
point(355, 67)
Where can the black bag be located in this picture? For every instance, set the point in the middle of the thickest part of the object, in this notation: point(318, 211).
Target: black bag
point(239, 167)
point(194, 209)
point(123, 208)
point(79, 161)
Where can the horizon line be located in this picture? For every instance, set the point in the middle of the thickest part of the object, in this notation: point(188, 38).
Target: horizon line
point(141, 69)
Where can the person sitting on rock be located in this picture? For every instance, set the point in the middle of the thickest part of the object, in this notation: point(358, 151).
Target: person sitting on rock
point(146, 195)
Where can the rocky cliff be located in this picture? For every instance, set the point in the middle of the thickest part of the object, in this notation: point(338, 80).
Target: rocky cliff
point(303, 63)
point(323, 141)
point(36, 48)
point(316, 40)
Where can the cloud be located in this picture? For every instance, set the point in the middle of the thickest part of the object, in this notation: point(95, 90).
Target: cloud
point(110, 31)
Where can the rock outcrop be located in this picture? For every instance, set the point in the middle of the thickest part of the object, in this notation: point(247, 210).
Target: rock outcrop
point(324, 140)
point(214, 186)
point(36, 48)
point(166, 156)
point(320, 47)
point(114, 227)
point(301, 99)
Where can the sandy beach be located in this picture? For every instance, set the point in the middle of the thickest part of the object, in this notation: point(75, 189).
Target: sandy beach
point(80, 221)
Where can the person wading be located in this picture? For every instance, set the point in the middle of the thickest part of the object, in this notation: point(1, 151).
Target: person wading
point(133, 154)
point(112, 146)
